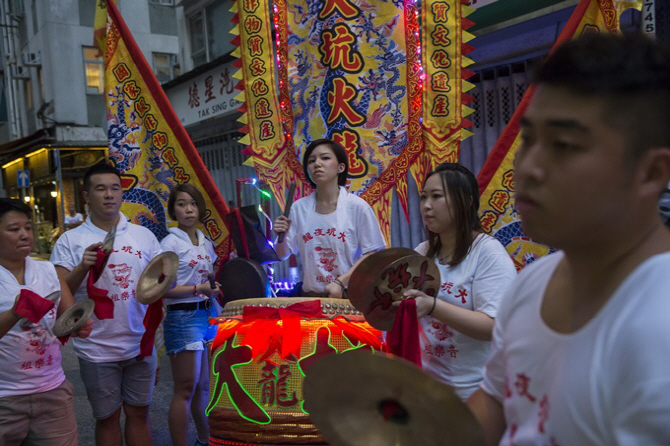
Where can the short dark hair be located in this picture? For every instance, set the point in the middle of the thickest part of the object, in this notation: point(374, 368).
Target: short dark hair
point(631, 73)
point(13, 204)
point(100, 168)
point(339, 153)
point(460, 186)
point(194, 193)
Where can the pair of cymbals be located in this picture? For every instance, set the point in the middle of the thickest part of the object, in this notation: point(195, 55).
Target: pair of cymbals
point(73, 318)
point(363, 399)
point(157, 278)
point(382, 278)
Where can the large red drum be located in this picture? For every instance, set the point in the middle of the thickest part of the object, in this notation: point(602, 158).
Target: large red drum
point(262, 352)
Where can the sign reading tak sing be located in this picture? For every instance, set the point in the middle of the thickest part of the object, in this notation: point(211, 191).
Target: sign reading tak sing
point(209, 95)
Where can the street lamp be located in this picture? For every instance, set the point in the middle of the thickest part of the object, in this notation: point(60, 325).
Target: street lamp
point(26, 198)
point(54, 193)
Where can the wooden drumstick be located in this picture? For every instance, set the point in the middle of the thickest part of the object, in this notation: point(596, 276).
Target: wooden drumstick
point(287, 209)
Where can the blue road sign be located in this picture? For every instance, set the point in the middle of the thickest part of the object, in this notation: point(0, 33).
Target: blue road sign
point(23, 178)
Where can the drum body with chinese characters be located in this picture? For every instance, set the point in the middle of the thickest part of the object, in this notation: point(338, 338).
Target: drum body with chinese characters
point(262, 352)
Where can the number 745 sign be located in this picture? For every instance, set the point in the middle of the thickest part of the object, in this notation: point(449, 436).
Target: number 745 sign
point(649, 17)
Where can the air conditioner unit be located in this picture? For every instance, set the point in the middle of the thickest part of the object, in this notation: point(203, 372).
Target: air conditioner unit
point(19, 72)
point(31, 59)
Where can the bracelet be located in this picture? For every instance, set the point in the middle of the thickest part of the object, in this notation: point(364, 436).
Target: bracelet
point(434, 302)
point(195, 290)
point(344, 289)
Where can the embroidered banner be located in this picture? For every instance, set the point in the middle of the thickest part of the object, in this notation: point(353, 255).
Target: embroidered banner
point(496, 178)
point(444, 63)
point(147, 143)
point(349, 70)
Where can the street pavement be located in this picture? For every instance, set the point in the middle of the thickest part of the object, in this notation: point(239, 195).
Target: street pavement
point(158, 411)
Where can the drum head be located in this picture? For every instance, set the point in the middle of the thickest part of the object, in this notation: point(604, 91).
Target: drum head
point(242, 279)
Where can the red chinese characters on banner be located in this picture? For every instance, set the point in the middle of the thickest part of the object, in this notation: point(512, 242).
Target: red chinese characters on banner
point(141, 106)
point(440, 59)
point(257, 67)
point(439, 81)
point(345, 8)
point(440, 106)
point(131, 89)
point(121, 72)
point(250, 5)
point(267, 131)
point(439, 11)
point(262, 109)
point(255, 45)
point(252, 24)
point(350, 141)
point(337, 49)
point(259, 87)
point(340, 98)
point(499, 200)
point(439, 36)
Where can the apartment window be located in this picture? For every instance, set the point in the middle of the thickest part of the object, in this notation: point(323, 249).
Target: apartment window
point(209, 39)
point(165, 66)
point(198, 48)
point(94, 69)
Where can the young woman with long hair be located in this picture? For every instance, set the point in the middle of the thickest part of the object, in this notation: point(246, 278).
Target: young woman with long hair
point(475, 270)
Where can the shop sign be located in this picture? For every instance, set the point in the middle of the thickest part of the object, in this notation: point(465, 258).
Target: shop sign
point(211, 94)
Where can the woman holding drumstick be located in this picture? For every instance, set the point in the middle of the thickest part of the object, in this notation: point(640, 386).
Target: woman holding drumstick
point(331, 229)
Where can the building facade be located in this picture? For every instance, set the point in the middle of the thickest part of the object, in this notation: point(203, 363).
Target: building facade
point(52, 108)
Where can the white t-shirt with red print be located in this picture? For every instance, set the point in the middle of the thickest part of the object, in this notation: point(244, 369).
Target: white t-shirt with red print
point(477, 283)
point(119, 338)
point(607, 384)
point(330, 244)
point(30, 357)
point(195, 262)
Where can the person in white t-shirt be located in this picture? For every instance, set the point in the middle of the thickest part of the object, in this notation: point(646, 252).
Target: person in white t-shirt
point(113, 372)
point(35, 398)
point(189, 307)
point(73, 219)
point(475, 270)
point(580, 348)
point(332, 229)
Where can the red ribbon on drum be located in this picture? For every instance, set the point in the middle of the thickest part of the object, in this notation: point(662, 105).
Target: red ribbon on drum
point(262, 318)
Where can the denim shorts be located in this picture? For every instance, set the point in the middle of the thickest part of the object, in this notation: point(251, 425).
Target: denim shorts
point(188, 329)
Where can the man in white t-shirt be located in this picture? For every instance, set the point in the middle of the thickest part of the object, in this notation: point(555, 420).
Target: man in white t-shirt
point(580, 346)
point(73, 218)
point(114, 373)
point(35, 398)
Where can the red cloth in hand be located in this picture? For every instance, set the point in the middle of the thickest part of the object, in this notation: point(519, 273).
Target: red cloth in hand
point(403, 339)
point(152, 320)
point(32, 306)
point(104, 306)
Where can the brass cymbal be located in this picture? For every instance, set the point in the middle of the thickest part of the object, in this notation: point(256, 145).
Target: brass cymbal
point(363, 399)
point(383, 277)
point(157, 278)
point(73, 318)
